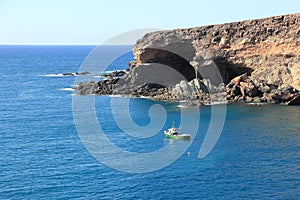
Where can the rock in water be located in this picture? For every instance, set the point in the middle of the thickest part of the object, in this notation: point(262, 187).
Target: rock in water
point(294, 101)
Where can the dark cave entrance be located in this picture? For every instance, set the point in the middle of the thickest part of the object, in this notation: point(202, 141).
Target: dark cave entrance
point(230, 71)
point(178, 57)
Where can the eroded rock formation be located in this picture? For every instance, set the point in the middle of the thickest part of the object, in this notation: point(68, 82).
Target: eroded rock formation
point(268, 49)
point(253, 60)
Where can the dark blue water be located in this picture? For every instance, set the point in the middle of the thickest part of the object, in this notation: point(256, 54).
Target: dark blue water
point(42, 156)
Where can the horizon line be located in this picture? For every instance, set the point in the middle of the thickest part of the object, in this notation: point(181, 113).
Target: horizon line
point(58, 44)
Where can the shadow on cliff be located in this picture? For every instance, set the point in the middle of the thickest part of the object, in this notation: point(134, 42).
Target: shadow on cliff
point(228, 70)
point(173, 63)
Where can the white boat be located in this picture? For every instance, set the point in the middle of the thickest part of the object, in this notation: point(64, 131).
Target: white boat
point(173, 133)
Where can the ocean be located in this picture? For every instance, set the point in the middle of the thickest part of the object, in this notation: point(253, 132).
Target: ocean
point(44, 155)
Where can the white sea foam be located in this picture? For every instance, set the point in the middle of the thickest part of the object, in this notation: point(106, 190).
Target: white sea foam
point(256, 104)
point(66, 74)
point(184, 101)
point(53, 75)
point(97, 76)
point(66, 89)
point(116, 96)
point(216, 103)
point(145, 97)
point(182, 106)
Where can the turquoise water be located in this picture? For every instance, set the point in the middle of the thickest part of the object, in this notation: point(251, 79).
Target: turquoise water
point(42, 157)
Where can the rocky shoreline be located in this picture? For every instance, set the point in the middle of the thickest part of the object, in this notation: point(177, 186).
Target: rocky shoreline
point(198, 92)
point(254, 61)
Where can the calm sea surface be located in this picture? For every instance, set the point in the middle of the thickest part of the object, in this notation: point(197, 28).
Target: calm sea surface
point(42, 157)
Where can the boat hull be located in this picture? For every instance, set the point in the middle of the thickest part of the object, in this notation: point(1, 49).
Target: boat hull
point(178, 137)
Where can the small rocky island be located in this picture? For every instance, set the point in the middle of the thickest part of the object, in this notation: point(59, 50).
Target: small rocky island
point(254, 61)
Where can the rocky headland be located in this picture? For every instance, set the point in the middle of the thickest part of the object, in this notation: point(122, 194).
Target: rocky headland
point(254, 60)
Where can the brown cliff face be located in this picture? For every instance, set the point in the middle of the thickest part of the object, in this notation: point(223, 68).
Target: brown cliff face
point(268, 49)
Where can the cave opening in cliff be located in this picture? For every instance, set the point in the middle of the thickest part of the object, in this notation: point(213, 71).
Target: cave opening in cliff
point(229, 71)
point(179, 58)
point(176, 57)
point(219, 72)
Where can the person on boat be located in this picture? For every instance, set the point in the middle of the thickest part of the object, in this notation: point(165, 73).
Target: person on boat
point(174, 131)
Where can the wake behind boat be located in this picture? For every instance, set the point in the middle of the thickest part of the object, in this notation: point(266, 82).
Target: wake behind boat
point(172, 133)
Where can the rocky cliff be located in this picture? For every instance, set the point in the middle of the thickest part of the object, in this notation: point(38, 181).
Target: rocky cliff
point(253, 60)
point(268, 49)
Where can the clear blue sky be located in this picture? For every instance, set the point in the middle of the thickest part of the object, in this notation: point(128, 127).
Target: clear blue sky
point(94, 21)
